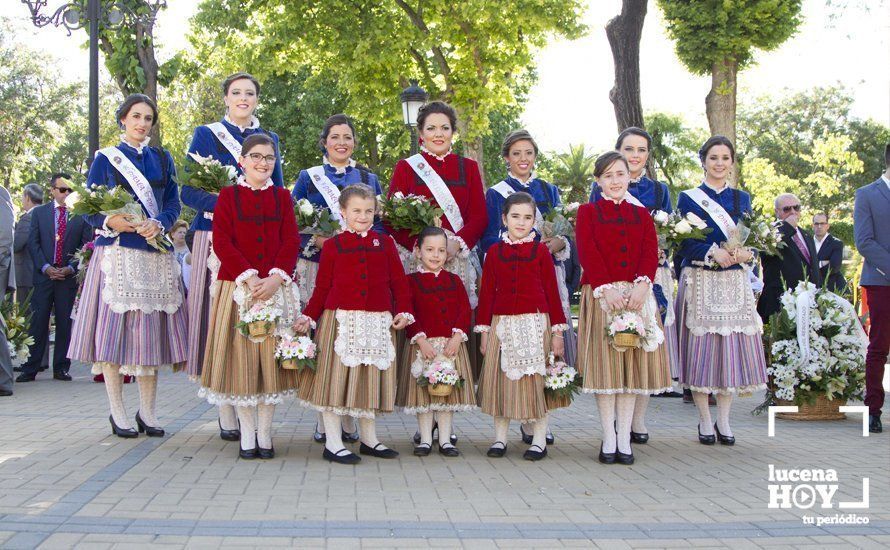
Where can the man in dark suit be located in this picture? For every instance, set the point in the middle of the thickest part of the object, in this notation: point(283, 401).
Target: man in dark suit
point(32, 196)
point(55, 237)
point(796, 262)
point(871, 228)
point(830, 252)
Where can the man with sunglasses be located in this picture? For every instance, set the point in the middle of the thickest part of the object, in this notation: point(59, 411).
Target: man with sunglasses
point(55, 236)
point(796, 261)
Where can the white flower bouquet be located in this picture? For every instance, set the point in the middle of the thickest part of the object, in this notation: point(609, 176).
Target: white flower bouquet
point(259, 320)
point(410, 212)
point(208, 174)
point(111, 201)
point(560, 220)
point(672, 229)
point(315, 220)
point(296, 353)
point(625, 330)
point(561, 382)
point(17, 318)
point(440, 376)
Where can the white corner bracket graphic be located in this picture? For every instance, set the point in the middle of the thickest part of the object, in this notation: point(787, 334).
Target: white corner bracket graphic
point(863, 410)
point(771, 424)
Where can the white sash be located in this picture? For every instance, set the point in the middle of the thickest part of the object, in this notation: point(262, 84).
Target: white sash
point(226, 138)
point(717, 213)
point(505, 190)
point(329, 192)
point(439, 189)
point(134, 177)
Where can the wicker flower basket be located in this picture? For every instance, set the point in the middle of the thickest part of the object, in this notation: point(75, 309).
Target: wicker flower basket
point(440, 390)
point(259, 329)
point(556, 401)
point(624, 341)
point(821, 409)
point(289, 364)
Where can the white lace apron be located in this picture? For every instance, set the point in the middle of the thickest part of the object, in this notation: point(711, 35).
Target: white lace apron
point(720, 302)
point(286, 299)
point(522, 344)
point(654, 336)
point(666, 281)
point(213, 265)
point(138, 280)
point(364, 338)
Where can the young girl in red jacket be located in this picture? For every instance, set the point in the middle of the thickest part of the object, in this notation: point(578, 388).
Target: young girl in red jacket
point(521, 320)
point(442, 311)
point(361, 293)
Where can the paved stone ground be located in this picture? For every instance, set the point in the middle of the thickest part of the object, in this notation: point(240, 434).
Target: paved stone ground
point(67, 482)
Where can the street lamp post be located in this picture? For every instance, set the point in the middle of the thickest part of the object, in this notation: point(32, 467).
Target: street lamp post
point(107, 12)
point(412, 97)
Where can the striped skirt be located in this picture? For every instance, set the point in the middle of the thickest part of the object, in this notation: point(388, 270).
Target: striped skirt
point(521, 399)
point(138, 342)
point(198, 303)
point(416, 399)
point(608, 371)
point(237, 371)
point(362, 391)
point(671, 338)
point(718, 364)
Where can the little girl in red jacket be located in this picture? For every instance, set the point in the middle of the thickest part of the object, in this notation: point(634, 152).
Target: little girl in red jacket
point(521, 320)
point(442, 311)
point(361, 293)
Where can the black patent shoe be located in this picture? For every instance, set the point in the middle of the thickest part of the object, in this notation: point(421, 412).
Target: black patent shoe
point(265, 454)
point(624, 458)
point(423, 449)
point(349, 437)
point(874, 424)
point(378, 453)
point(319, 437)
point(343, 456)
point(247, 454)
point(150, 431)
point(724, 439)
point(639, 437)
point(453, 437)
point(526, 438)
point(497, 452)
point(549, 437)
point(450, 451)
point(532, 454)
point(228, 435)
point(606, 458)
point(121, 432)
point(706, 439)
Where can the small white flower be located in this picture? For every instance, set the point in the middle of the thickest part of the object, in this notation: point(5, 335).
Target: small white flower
point(661, 217)
point(306, 207)
point(696, 221)
point(683, 227)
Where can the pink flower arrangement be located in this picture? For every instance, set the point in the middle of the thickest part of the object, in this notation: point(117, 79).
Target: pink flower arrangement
point(627, 321)
point(440, 371)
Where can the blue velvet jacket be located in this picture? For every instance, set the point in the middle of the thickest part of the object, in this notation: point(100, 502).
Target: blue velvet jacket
point(736, 203)
point(546, 196)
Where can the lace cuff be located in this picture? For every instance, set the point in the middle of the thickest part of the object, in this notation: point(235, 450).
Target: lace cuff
point(284, 276)
point(311, 321)
point(643, 279)
point(463, 334)
point(417, 337)
point(562, 327)
point(241, 279)
point(598, 291)
point(708, 259)
point(464, 251)
point(407, 316)
point(566, 252)
point(106, 231)
point(159, 224)
point(481, 328)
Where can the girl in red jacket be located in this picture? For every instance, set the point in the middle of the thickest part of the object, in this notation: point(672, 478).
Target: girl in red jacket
point(361, 292)
point(519, 309)
point(442, 312)
point(255, 238)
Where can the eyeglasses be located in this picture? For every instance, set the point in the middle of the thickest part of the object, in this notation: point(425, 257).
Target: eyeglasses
point(63, 189)
point(258, 158)
point(820, 223)
point(787, 209)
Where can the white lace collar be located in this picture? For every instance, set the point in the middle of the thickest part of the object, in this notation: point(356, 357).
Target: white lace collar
point(619, 201)
point(527, 239)
point(639, 178)
point(242, 181)
point(143, 144)
point(714, 189)
point(338, 169)
point(435, 156)
point(362, 234)
point(422, 269)
point(254, 123)
point(531, 177)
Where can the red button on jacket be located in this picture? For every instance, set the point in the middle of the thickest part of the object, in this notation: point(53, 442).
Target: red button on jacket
point(440, 305)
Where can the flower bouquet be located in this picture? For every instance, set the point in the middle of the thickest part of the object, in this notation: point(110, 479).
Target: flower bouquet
point(560, 220)
point(410, 212)
point(625, 330)
point(561, 383)
point(441, 377)
point(672, 229)
point(817, 348)
point(259, 320)
point(83, 256)
point(17, 318)
point(111, 201)
point(208, 174)
point(764, 233)
point(315, 220)
point(296, 353)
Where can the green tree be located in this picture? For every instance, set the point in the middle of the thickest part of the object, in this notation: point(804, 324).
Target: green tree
point(674, 155)
point(572, 172)
point(720, 37)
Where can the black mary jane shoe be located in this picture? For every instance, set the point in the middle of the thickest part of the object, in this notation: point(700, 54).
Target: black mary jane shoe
point(349, 437)
point(319, 437)
point(423, 449)
point(247, 454)
point(450, 451)
point(624, 458)
point(527, 438)
point(343, 456)
point(639, 438)
point(497, 452)
point(228, 435)
point(452, 438)
point(724, 439)
point(150, 431)
point(128, 433)
point(377, 453)
point(706, 439)
point(532, 454)
point(606, 458)
point(265, 454)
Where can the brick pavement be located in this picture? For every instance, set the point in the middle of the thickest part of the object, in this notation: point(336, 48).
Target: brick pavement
point(66, 482)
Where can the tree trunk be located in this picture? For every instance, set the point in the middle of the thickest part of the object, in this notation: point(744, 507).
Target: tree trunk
point(145, 51)
point(624, 33)
point(472, 149)
point(720, 103)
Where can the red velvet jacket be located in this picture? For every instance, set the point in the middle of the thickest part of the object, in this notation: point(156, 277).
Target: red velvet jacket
point(254, 230)
point(463, 180)
point(516, 279)
point(616, 242)
point(440, 305)
point(360, 273)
